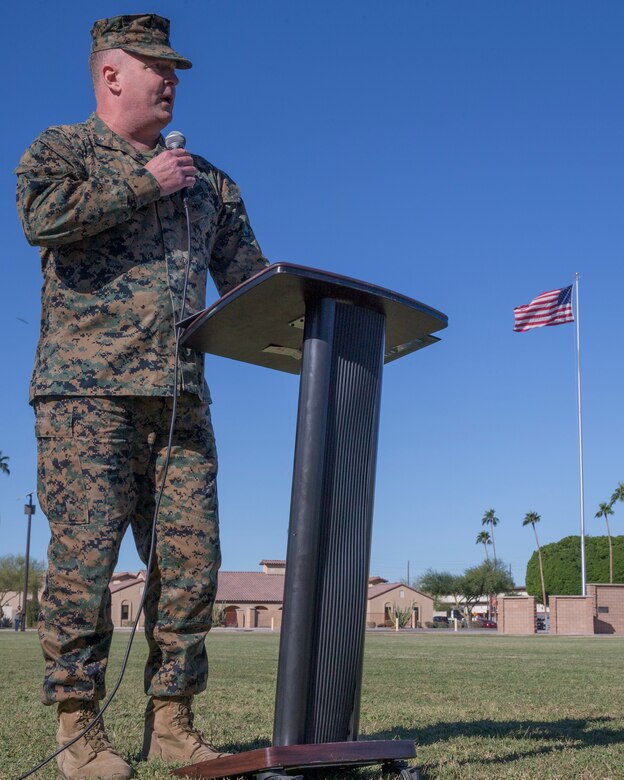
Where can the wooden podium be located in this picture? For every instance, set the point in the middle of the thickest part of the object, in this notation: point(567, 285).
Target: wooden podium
point(336, 333)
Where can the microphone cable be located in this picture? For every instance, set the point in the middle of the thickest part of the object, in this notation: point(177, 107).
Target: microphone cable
point(174, 411)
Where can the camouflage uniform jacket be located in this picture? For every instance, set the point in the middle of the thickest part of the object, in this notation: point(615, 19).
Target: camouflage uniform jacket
point(113, 258)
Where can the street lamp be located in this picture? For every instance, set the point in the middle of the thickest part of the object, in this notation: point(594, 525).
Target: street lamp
point(29, 511)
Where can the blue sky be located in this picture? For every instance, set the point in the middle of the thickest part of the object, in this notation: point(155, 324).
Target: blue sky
point(468, 155)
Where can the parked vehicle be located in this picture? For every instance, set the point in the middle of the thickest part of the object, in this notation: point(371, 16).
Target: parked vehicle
point(441, 620)
point(484, 623)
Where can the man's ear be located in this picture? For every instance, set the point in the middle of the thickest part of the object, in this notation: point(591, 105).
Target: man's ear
point(110, 77)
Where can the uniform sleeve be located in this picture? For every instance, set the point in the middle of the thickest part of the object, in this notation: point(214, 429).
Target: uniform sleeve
point(59, 201)
point(236, 255)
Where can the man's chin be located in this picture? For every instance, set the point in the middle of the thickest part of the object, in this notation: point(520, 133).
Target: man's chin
point(165, 110)
point(165, 118)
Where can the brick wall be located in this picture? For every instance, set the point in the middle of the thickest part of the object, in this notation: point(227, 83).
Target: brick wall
point(256, 617)
point(608, 604)
point(572, 615)
point(516, 615)
point(600, 612)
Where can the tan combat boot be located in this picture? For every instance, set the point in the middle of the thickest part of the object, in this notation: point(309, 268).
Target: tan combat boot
point(92, 756)
point(169, 732)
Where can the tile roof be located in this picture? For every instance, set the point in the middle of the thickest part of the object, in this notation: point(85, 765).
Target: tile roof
point(385, 587)
point(254, 587)
point(124, 575)
point(128, 581)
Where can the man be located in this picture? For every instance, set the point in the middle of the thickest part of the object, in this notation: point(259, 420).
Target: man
point(104, 201)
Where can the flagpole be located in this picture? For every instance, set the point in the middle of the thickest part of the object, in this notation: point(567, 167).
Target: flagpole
point(580, 438)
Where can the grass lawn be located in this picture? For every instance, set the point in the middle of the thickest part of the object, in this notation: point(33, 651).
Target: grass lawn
point(478, 706)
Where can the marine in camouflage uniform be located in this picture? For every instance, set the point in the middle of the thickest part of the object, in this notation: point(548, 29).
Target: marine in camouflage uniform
point(113, 255)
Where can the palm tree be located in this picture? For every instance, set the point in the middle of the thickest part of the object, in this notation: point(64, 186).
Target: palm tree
point(484, 538)
point(618, 494)
point(530, 519)
point(604, 510)
point(4, 466)
point(489, 518)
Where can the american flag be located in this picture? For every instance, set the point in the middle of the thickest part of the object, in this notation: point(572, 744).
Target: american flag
point(549, 308)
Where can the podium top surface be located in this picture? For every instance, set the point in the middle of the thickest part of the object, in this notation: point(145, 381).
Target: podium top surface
point(261, 321)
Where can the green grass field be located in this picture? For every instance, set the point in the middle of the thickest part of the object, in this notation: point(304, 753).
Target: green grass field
point(478, 706)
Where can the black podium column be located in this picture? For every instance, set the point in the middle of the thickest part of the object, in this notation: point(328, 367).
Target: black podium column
point(322, 637)
point(350, 329)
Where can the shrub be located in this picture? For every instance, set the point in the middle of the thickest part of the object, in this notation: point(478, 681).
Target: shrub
point(218, 614)
point(562, 565)
point(402, 614)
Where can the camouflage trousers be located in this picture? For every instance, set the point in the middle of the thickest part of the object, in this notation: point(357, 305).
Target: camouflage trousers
point(100, 463)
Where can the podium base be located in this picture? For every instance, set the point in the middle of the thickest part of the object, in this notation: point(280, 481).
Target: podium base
point(270, 763)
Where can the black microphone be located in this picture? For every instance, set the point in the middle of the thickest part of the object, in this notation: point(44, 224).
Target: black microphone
point(175, 140)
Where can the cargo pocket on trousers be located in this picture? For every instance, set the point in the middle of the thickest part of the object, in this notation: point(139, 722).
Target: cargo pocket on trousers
point(60, 481)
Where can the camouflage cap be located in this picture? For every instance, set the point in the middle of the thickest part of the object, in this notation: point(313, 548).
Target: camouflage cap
point(146, 34)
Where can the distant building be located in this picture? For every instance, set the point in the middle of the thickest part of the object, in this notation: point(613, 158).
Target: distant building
point(11, 604)
point(248, 599)
point(384, 597)
point(12, 601)
point(126, 591)
point(254, 599)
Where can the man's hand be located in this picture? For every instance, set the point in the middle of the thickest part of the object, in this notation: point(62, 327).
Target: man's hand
point(173, 170)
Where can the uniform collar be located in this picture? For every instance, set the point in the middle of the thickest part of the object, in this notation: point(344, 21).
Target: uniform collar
point(104, 136)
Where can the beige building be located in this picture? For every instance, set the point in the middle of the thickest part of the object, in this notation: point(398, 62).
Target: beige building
point(384, 597)
point(247, 599)
point(11, 604)
point(254, 599)
point(126, 590)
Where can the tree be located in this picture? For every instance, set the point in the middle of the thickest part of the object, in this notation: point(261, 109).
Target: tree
point(618, 494)
point(489, 518)
point(12, 576)
point(604, 510)
point(531, 518)
point(484, 538)
point(488, 579)
point(440, 583)
point(32, 611)
point(218, 613)
point(4, 466)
